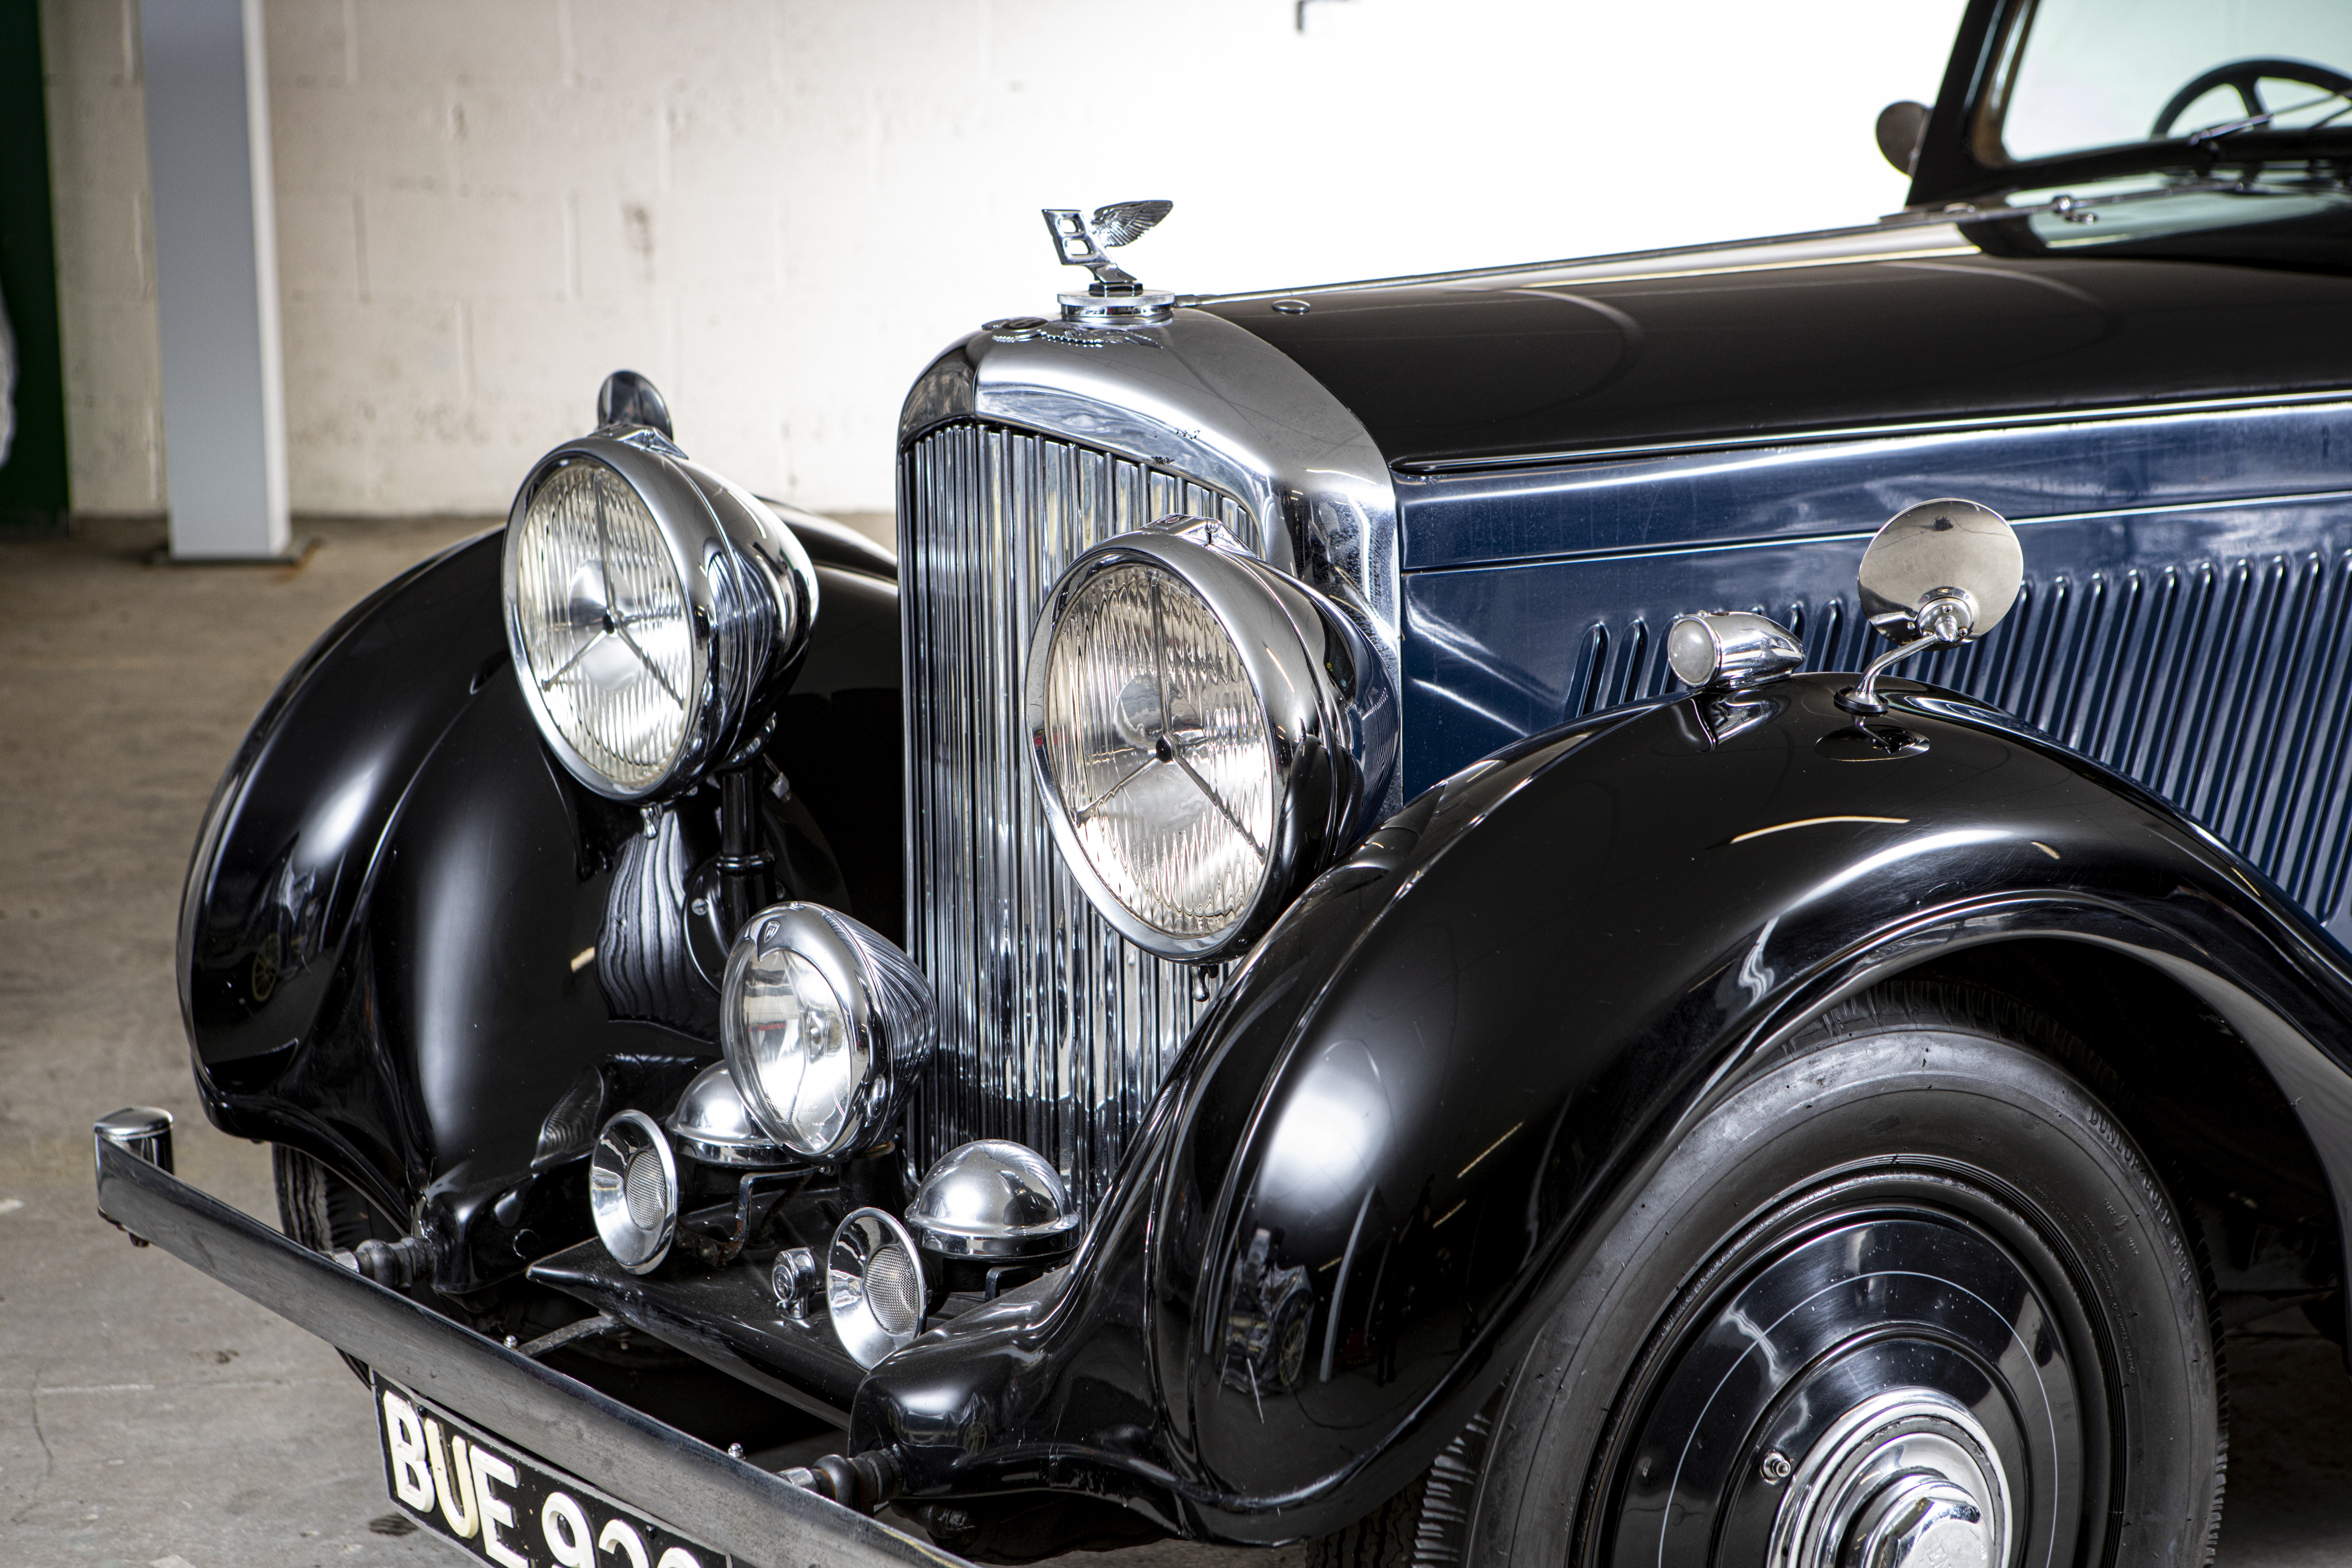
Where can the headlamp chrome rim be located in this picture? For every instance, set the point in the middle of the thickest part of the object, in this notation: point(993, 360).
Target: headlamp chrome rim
point(750, 596)
point(628, 1137)
point(885, 999)
point(1312, 671)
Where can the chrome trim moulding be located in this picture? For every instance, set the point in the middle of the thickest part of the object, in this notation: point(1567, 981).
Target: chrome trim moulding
point(737, 1508)
point(1912, 231)
point(1200, 396)
point(1801, 436)
point(1902, 233)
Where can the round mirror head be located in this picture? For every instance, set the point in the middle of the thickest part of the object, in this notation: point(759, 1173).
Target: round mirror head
point(1927, 552)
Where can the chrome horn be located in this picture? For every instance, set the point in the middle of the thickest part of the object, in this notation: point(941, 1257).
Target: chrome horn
point(1938, 575)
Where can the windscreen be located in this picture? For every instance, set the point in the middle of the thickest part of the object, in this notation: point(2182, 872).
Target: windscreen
point(2077, 75)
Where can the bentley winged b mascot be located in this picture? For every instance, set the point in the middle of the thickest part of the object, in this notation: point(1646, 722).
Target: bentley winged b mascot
point(1357, 938)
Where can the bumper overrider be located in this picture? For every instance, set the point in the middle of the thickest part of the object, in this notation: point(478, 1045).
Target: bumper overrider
point(757, 1517)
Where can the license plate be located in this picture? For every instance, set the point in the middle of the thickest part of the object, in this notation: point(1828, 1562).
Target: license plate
point(487, 1496)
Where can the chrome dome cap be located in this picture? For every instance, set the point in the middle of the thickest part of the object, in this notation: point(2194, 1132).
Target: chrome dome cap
point(713, 1125)
point(994, 1198)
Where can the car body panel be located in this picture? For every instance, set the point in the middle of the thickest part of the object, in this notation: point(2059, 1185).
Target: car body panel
point(1742, 342)
point(1408, 1113)
point(1407, 1118)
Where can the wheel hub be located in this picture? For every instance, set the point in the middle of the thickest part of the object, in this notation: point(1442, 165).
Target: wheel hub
point(1907, 1479)
point(1876, 1383)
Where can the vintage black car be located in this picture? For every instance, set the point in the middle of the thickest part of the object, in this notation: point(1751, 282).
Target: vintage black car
point(1342, 945)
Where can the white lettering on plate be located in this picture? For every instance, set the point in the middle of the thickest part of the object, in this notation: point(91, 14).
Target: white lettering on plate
point(455, 1481)
point(565, 1526)
point(411, 1479)
point(621, 1539)
point(677, 1557)
point(495, 1509)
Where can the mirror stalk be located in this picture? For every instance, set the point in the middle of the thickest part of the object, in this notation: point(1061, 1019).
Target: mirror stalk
point(1945, 618)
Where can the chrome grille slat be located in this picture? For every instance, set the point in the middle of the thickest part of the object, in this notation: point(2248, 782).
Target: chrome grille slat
point(1052, 1030)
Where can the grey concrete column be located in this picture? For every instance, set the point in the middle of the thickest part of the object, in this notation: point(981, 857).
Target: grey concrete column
point(217, 278)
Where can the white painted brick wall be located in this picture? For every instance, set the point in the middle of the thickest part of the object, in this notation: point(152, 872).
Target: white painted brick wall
point(780, 209)
point(106, 254)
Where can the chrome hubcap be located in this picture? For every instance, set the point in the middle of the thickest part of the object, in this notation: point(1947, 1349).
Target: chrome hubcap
point(1907, 1479)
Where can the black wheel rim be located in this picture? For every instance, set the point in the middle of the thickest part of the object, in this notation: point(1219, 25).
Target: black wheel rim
point(1880, 1343)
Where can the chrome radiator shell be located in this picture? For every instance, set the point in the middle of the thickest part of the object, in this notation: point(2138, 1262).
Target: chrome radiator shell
point(1021, 446)
point(1053, 1031)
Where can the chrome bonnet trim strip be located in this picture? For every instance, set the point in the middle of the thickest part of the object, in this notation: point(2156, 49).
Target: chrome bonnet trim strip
point(1802, 437)
point(1847, 536)
point(755, 1516)
point(1897, 234)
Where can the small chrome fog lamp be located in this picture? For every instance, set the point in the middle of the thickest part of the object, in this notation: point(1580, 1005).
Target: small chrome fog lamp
point(633, 1191)
point(1733, 649)
point(825, 1024)
point(712, 1125)
point(874, 1285)
point(993, 1199)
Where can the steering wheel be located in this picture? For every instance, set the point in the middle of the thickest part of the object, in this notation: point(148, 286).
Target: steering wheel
point(2246, 76)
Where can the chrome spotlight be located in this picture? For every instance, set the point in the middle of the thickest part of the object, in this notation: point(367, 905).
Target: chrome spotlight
point(1730, 650)
point(826, 1024)
point(874, 1285)
point(713, 1125)
point(647, 602)
point(993, 1200)
point(633, 1191)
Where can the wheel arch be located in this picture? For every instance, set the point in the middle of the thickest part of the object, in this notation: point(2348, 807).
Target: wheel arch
point(2223, 1118)
point(1446, 1071)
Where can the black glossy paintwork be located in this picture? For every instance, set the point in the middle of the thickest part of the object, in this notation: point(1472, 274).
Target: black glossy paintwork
point(1894, 1294)
point(400, 943)
point(1499, 371)
point(726, 1317)
point(1408, 1111)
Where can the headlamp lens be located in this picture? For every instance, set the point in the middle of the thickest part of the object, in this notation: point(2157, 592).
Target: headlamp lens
point(807, 1065)
point(1156, 743)
point(604, 622)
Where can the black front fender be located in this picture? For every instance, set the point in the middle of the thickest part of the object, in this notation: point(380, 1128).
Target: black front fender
point(406, 933)
point(1389, 1147)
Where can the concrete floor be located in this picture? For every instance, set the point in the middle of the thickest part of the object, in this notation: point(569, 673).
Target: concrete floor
point(148, 1416)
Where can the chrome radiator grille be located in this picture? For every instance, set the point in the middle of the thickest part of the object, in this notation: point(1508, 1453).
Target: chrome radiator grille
point(1053, 1030)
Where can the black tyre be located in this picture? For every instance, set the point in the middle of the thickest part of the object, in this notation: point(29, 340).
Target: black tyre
point(324, 1213)
point(1909, 1294)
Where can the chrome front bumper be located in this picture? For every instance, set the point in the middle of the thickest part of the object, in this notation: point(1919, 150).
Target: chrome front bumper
point(758, 1518)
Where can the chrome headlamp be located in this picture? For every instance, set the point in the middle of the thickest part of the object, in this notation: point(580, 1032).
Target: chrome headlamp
point(647, 600)
point(825, 1024)
point(1195, 723)
point(633, 1191)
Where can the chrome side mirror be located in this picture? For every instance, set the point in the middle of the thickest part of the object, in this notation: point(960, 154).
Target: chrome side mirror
point(1938, 575)
point(1900, 129)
